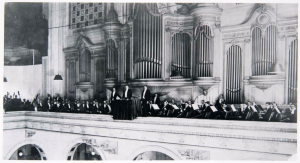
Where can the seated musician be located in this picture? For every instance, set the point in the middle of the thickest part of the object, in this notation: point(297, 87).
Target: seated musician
point(35, 105)
point(267, 116)
point(187, 111)
point(156, 99)
point(209, 112)
point(106, 109)
point(152, 112)
point(199, 113)
point(60, 107)
point(97, 107)
point(219, 102)
point(78, 107)
point(173, 112)
point(87, 107)
point(69, 107)
point(24, 104)
point(40, 105)
point(165, 109)
point(293, 113)
point(248, 113)
point(276, 114)
point(58, 98)
point(54, 106)
point(260, 111)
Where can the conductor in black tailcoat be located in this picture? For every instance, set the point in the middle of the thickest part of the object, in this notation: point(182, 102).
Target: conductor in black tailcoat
point(127, 93)
point(114, 94)
point(145, 97)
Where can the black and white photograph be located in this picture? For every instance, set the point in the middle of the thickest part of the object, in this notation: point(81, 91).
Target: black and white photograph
point(157, 80)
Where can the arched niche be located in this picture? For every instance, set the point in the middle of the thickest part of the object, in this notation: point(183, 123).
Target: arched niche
point(152, 155)
point(153, 148)
point(85, 66)
point(83, 151)
point(28, 152)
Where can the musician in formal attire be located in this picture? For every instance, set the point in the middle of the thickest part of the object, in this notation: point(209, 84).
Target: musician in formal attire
point(58, 98)
point(127, 93)
point(87, 107)
point(78, 107)
point(260, 112)
point(156, 99)
point(114, 94)
point(248, 112)
point(68, 107)
point(293, 113)
point(276, 114)
point(98, 107)
point(40, 105)
point(106, 109)
point(267, 116)
point(165, 109)
point(145, 97)
point(208, 112)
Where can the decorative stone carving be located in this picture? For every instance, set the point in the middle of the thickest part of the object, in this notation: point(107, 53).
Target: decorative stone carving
point(236, 34)
point(263, 87)
point(109, 146)
point(191, 154)
point(29, 134)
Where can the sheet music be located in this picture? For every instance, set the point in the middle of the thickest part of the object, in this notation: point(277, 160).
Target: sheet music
point(233, 108)
point(213, 108)
point(253, 108)
point(117, 98)
point(195, 106)
point(155, 106)
point(175, 107)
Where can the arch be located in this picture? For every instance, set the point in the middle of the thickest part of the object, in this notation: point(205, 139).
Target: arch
point(181, 54)
point(85, 65)
point(75, 143)
point(41, 147)
point(155, 148)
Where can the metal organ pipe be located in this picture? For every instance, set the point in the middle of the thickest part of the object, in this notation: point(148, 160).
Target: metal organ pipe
point(292, 72)
point(233, 77)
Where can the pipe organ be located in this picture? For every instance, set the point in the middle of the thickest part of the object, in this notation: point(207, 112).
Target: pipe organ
point(85, 66)
point(292, 72)
point(234, 74)
point(147, 47)
point(181, 54)
point(112, 59)
point(203, 50)
point(71, 76)
point(263, 50)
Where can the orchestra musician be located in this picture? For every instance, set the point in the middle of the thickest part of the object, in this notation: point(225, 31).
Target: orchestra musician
point(69, 107)
point(156, 99)
point(127, 112)
point(293, 113)
point(145, 97)
point(106, 109)
point(164, 110)
point(127, 93)
point(248, 113)
point(87, 108)
point(208, 112)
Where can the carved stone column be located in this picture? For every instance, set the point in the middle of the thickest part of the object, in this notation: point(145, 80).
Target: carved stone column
point(112, 28)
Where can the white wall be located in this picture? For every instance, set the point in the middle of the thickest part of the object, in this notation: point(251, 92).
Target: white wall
point(26, 79)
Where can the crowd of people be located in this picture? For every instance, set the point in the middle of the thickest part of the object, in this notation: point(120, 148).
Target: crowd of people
point(152, 106)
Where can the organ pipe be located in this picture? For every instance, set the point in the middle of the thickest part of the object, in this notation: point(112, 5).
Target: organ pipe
point(292, 72)
point(147, 48)
point(112, 60)
point(263, 50)
point(181, 52)
point(233, 77)
point(203, 53)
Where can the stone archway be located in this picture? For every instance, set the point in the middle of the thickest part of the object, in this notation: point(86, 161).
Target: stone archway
point(73, 145)
point(41, 148)
point(153, 148)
